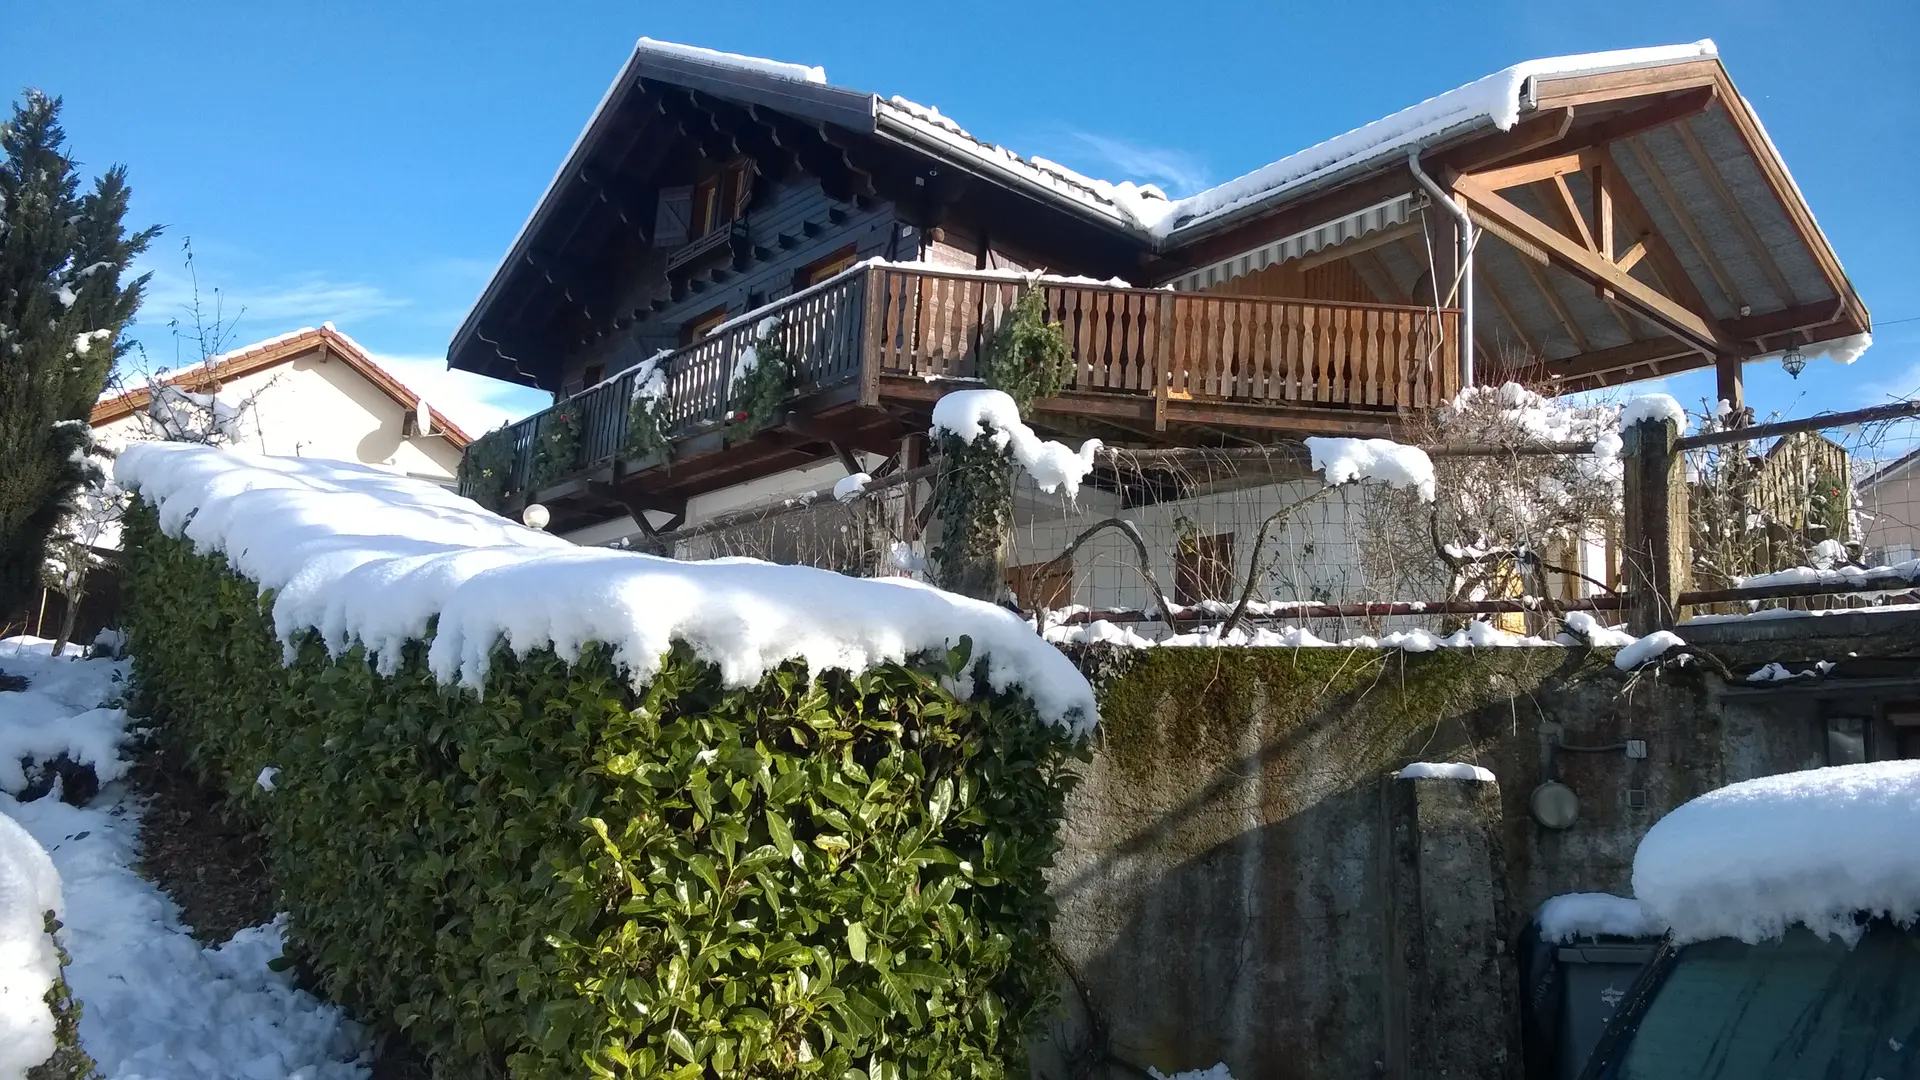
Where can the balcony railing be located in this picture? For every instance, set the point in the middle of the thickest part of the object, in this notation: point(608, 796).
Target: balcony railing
point(877, 321)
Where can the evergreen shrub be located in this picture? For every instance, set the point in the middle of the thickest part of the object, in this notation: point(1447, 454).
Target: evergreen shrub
point(830, 875)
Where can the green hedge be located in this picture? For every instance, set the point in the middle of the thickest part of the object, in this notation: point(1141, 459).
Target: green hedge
point(839, 876)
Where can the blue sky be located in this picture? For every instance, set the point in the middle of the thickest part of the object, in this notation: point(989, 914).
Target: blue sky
point(368, 162)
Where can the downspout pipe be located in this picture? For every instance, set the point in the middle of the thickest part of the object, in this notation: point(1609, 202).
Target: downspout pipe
point(1465, 233)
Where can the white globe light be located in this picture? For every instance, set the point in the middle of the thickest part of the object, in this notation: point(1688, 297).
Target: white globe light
point(536, 516)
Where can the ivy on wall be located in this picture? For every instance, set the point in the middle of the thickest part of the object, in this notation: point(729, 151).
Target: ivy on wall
point(486, 469)
point(1028, 360)
point(556, 446)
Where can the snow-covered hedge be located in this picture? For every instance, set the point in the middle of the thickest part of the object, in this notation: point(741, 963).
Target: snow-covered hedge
point(738, 866)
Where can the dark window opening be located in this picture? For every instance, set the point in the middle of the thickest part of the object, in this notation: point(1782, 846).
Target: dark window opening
point(821, 269)
point(701, 325)
point(1203, 568)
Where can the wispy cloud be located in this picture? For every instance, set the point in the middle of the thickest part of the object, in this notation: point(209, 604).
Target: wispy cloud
point(269, 306)
point(1176, 171)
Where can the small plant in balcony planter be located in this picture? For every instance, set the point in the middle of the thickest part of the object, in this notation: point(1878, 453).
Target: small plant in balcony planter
point(487, 469)
point(647, 412)
point(763, 380)
point(556, 446)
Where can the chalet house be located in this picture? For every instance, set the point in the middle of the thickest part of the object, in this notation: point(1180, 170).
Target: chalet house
point(310, 393)
point(1578, 222)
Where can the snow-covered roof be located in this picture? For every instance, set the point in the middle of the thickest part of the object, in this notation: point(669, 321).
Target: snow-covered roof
point(365, 556)
point(1813, 847)
point(1495, 101)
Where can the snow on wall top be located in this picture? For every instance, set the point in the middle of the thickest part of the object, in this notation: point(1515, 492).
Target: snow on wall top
point(1810, 847)
point(364, 556)
point(1495, 98)
point(970, 414)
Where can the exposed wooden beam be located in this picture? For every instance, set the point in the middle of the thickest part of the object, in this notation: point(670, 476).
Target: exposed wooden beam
point(1544, 128)
point(1786, 321)
point(1602, 209)
point(1696, 327)
point(1528, 172)
point(1741, 222)
point(1575, 90)
point(1632, 256)
point(1573, 222)
point(1620, 358)
point(1576, 151)
point(1679, 209)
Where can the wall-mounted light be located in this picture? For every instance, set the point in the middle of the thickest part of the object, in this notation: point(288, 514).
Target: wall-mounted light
point(535, 516)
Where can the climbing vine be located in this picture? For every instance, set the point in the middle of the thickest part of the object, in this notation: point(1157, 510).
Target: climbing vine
point(762, 382)
point(647, 412)
point(486, 471)
point(556, 446)
point(1029, 358)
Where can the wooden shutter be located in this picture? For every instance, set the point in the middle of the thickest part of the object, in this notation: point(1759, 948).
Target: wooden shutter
point(1203, 569)
point(670, 224)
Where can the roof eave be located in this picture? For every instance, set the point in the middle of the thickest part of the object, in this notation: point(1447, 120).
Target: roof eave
point(909, 135)
point(829, 104)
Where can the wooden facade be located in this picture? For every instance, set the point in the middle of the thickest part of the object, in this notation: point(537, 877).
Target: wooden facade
point(876, 344)
point(701, 193)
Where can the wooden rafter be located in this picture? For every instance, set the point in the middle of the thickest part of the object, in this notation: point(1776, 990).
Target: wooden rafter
point(1503, 218)
point(1748, 233)
point(1573, 221)
point(1621, 358)
point(1665, 187)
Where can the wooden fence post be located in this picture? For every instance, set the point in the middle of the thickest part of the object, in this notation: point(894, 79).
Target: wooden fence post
point(1656, 553)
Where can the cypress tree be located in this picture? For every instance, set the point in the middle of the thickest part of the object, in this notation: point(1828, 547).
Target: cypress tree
point(63, 306)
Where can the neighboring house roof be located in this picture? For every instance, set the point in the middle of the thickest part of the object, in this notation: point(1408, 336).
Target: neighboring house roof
point(271, 353)
point(1892, 470)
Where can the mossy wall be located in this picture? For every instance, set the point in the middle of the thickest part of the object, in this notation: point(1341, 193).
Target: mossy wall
point(1221, 886)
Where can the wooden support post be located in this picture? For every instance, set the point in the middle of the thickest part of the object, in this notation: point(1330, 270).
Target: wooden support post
point(1656, 553)
point(1732, 385)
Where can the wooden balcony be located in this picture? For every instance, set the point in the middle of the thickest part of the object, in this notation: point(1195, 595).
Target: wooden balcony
point(874, 346)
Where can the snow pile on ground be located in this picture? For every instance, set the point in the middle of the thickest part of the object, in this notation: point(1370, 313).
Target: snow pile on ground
point(1595, 914)
point(362, 555)
point(29, 960)
point(1811, 847)
point(1345, 460)
point(155, 1004)
point(1652, 407)
point(969, 414)
point(1218, 1072)
point(1647, 649)
point(1446, 770)
point(41, 725)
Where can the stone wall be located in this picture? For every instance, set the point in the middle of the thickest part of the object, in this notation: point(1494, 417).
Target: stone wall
point(1228, 884)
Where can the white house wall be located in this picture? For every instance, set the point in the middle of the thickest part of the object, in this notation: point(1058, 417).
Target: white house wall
point(316, 409)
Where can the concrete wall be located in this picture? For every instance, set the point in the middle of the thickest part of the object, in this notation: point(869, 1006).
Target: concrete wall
point(1227, 884)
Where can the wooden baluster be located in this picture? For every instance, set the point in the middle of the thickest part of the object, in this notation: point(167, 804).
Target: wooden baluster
point(923, 327)
point(1103, 335)
point(1322, 343)
point(1377, 339)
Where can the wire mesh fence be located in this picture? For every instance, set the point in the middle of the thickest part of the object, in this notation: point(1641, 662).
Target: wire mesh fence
point(1520, 533)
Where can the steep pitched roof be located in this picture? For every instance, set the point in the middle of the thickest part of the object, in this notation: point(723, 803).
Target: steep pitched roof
point(273, 352)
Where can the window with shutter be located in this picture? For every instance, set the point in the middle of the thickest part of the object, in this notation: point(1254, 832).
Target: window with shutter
point(671, 226)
